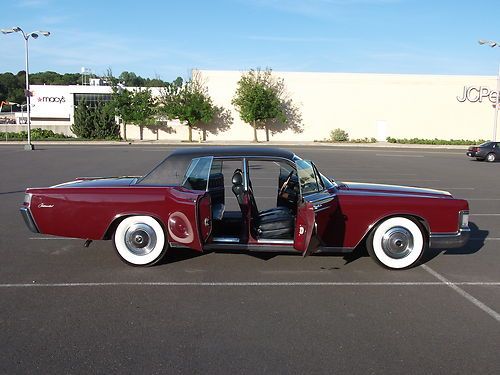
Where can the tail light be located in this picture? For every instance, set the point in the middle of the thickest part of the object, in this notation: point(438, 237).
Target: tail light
point(27, 199)
point(464, 219)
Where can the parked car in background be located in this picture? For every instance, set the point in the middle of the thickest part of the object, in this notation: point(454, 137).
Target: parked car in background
point(489, 151)
point(185, 202)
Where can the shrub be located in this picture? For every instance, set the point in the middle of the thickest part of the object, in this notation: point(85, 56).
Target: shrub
point(435, 141)
point(339, 135)
point(364, 140)
point(36, 134)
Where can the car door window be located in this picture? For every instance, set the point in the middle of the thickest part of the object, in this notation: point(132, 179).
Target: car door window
point(197, 174)
point(308, 178)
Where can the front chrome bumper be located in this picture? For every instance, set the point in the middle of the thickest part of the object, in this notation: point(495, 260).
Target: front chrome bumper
point(449, 240)
point(28, 219)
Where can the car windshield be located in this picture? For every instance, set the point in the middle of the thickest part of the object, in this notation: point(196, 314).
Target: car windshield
point(485, 144)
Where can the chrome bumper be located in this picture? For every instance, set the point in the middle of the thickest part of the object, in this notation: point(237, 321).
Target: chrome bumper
point(449, 240)
point(28, 219)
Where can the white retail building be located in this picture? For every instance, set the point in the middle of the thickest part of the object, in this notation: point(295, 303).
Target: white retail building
point(364, 105)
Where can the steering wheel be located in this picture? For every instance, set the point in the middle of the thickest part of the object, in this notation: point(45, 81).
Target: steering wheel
point(285, 184)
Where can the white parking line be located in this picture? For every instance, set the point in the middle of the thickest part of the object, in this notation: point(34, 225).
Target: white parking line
point(483, 199)
point(401, 156)
point(488, 310)
point(242, 283)
point(357, 149)
point(452, 188)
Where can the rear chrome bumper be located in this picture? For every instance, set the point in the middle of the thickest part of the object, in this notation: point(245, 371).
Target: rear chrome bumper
point(449, 240)
point(28, 219)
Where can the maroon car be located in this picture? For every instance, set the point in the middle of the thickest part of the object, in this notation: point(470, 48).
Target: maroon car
point(207, 198)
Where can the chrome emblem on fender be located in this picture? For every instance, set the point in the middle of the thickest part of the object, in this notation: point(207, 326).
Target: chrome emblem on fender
point(43, 205)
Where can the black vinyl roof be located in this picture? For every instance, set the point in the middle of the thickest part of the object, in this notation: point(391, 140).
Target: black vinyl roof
point(171, 170)
point(194, 152)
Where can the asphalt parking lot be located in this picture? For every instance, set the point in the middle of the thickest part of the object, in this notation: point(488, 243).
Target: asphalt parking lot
point(70, 309)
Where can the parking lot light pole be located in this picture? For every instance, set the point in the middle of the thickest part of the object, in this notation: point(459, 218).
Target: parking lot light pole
point(34, 35)
point(494, 44)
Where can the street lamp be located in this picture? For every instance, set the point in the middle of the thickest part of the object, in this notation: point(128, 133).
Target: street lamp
point(34, 35)
point(492, 44)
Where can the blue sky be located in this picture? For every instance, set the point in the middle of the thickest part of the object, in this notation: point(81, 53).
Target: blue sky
point(169, 38)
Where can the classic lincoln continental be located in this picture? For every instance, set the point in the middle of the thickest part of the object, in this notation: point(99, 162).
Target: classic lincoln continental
point(185, 202)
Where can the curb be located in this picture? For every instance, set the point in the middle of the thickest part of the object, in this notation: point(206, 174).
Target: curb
point(241, 143)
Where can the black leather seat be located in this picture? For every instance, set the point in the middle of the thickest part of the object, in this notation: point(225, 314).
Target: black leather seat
point(275, 223)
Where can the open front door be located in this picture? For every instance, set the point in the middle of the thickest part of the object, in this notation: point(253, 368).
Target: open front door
point(304, 228)
point(305, 221)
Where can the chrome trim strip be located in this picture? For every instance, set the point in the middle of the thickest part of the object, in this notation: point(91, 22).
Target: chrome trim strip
point(226, 239)
point(245, 174)
point(28, 219)
point(333, 249)
point(322, 200)
point(275, 241)
point(251, 247)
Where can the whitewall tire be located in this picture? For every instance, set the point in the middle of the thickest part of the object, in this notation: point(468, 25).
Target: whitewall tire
point(397, 243)
point(140, 240)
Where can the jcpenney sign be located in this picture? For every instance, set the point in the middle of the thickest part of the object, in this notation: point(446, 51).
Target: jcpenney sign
point(477, 94)
point(51, 99)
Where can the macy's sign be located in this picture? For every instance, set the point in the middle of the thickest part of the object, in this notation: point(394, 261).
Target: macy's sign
point(51, 99)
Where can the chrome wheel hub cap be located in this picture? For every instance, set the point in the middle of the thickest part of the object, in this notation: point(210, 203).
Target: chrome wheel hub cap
point(140, 239)
point(397, 242)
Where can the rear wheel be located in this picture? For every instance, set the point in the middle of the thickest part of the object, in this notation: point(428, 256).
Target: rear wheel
point(491, 157)
point(140, 241)
point(397, 243)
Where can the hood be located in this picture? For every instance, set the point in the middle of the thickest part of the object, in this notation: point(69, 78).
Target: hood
point(378, 189)
point(98, 182)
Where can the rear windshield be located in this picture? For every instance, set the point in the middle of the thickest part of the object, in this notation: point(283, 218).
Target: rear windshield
point(485, 144)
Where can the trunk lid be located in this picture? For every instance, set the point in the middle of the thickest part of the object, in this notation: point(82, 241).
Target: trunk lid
point(99, 182)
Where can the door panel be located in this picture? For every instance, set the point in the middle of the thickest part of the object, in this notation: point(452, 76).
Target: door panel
point(182, 224)
point(205, 217)
point(304, 227)
point(329, 228)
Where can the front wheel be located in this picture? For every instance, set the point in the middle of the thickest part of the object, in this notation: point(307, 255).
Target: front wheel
point(140, 241)
point(491, 157)
point(397, 243)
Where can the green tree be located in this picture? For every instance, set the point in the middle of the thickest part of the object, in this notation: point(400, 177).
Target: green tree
point(12, 87)
point(190, 103)
point(133, 107)
point(95, 123)
point(83, 120)
point(105, 126)
point(131, 79)
point(257, 99)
